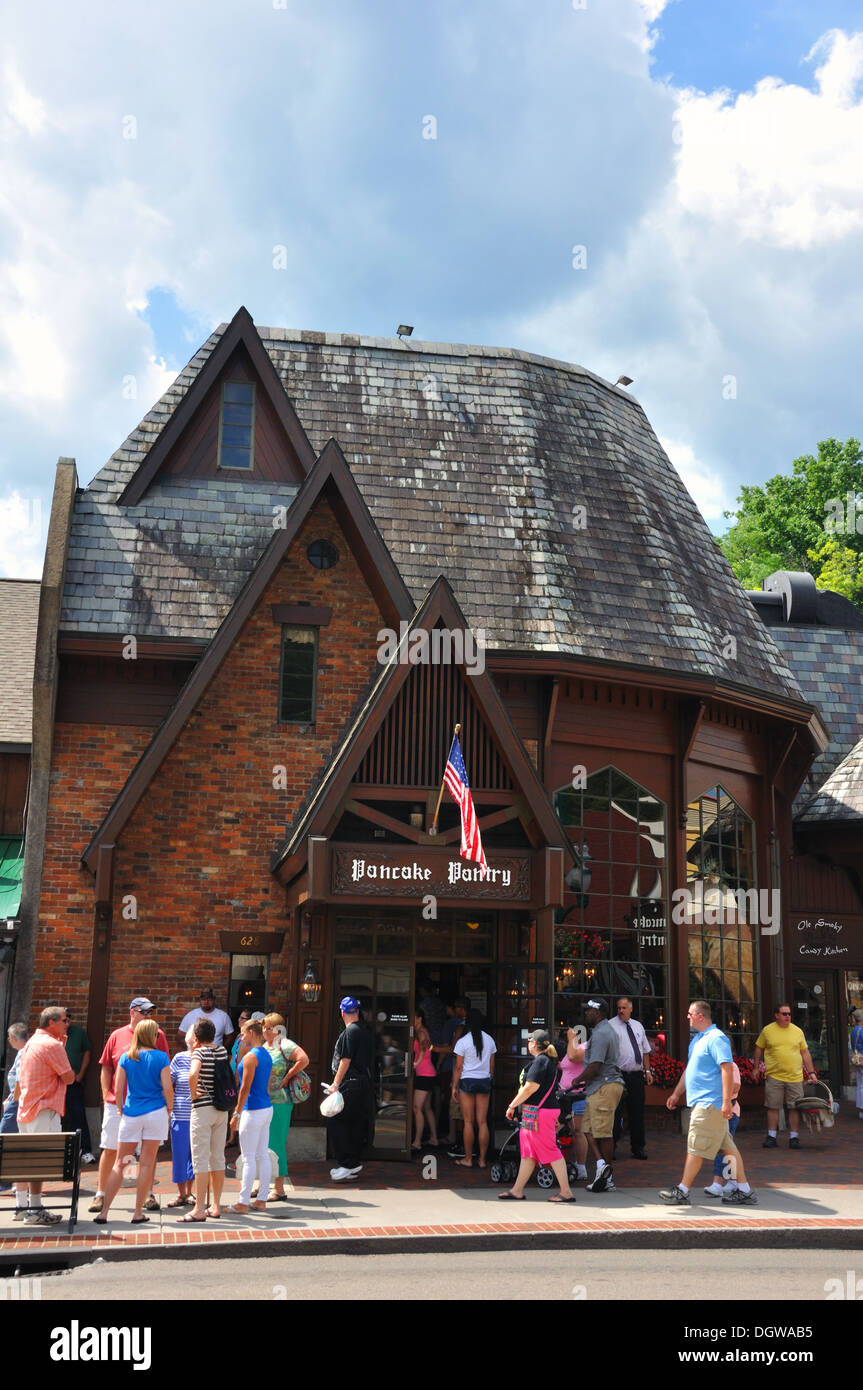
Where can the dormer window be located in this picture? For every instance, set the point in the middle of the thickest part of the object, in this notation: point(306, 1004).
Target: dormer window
point(237, 425)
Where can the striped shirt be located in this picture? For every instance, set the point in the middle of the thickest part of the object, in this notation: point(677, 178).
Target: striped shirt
point(207, 1055)
point(180, 1081)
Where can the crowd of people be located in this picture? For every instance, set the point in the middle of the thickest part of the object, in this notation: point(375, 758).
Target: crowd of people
point(220, 1086)
point(149, 1097)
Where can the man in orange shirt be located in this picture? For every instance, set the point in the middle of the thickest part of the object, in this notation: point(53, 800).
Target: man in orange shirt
point(43, 1076)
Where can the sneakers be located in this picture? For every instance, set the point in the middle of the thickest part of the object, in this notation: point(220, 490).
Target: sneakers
point(603, 1181)
point(88, 1158)
point(21, 1213)
point(39, 1216)
point(794, 1143)
point(770, 1143)
point(674, 1197)
point(714, 1190)
point(96, 1204)
point(740, 1199)
point(343, 1174)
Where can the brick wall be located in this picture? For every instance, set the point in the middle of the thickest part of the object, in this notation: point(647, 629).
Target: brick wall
point(195, 855)
point(89, 766)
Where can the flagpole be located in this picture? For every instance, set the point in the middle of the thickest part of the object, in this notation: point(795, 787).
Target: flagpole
point(433, 827)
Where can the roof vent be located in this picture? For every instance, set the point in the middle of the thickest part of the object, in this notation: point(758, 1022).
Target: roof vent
point(799, 594)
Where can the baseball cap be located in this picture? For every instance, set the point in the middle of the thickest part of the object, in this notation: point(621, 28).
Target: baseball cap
point(142, 1002)
point(349, 1005)
point(539, 1035)
point(258, 1015)
point(205, 992)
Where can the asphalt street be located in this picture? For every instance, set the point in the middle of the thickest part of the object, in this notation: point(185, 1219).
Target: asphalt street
point(664, 1276)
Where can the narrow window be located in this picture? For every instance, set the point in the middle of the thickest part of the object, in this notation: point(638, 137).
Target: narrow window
point(299, 667)
point(237, 425)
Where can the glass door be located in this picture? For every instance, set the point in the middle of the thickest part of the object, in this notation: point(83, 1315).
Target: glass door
point(385, 993)
point(814, 1010)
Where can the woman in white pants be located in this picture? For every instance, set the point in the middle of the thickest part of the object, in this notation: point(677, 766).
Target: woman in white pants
point(252, 1118)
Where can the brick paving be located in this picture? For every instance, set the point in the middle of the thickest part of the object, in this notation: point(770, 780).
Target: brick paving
point(801, 1191)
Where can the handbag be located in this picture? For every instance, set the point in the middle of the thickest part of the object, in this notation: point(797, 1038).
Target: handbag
point(856, 1054)
point(299, 1088)
point(530, 1113)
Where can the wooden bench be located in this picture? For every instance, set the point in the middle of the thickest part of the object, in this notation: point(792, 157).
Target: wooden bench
point(43, 1158)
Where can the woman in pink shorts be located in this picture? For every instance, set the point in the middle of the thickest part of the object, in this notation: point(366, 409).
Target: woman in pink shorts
point(540, 1113)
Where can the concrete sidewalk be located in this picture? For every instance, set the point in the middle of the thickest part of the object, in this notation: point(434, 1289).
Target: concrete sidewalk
point(371, 1214)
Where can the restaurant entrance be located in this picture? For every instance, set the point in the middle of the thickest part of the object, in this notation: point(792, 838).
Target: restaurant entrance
point(455, 960)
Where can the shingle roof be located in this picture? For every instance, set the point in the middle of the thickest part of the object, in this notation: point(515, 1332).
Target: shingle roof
point(19, 616)
point(828, 664)
point(841, 796)
point(473, 462)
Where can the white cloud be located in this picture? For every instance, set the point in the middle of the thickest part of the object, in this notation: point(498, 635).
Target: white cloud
point(782, 164)
point(23, 529)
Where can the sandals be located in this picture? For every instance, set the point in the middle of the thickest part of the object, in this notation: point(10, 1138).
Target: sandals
point(139, 1220)
point(180, 1202)
point(151, 1204)
point(190, 1219)
point(559, 1200)
point(509, 1197)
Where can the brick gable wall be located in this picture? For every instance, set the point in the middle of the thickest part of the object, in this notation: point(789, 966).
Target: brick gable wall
point(195, 854)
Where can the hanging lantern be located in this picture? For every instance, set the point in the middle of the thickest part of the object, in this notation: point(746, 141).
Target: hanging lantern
point(311, 985)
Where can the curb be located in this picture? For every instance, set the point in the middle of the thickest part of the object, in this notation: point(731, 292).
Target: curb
point(836, 1236)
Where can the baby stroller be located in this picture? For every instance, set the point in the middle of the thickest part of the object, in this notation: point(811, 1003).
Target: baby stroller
point(505, 1166)
point(816, 1108)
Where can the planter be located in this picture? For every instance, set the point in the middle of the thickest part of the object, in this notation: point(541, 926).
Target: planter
point(656, 1115)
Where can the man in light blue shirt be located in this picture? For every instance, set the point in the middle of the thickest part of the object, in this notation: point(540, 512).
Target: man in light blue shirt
point(708, 1082)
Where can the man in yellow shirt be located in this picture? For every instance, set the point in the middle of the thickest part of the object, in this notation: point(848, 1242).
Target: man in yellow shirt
point(786, 1062)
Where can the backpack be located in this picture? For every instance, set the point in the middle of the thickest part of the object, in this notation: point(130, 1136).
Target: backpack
point(224, 1085)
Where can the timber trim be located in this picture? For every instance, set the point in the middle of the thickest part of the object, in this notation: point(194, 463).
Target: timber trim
point(317, 820)
point(331, 473)
point(241, 331)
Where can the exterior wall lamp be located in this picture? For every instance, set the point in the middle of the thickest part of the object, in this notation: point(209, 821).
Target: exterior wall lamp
point(310, 985)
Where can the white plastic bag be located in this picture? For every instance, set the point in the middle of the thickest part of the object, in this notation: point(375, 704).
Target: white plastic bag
point(332, 1105)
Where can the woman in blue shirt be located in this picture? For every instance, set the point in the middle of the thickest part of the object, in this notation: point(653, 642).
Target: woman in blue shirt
point(144, 1097)
point(252, 1116)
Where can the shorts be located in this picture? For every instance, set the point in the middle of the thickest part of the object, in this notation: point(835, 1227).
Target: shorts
point(708, 1133)
point(782, 1094)
point(425, 1083)
point(578, 1107)
point(46, 1122)
point(139, 1129)
point(599, 1110)
point(207, 1133)
point(110, 1126)
point(475, 1085)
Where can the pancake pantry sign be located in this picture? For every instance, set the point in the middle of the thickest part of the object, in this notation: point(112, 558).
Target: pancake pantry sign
point(367, 873)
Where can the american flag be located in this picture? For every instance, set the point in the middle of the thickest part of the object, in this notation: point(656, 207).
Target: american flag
point(455, 777)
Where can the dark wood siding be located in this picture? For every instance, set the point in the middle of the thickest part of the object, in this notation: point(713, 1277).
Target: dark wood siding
point(14, 776)
point(196, 453)
point(98, 690)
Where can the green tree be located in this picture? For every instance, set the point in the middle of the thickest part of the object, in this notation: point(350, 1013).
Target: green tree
point(812, 520)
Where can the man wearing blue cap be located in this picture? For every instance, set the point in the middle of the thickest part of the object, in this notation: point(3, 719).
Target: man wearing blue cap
point(352, 1066)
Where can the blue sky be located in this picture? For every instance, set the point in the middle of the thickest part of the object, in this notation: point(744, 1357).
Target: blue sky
point(706, 156)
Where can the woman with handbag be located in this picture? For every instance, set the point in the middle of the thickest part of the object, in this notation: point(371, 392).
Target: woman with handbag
point(857, 1057)
point(288, 1061)
point(540, 1111)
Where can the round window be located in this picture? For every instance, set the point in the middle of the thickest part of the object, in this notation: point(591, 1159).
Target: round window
point(323, 555)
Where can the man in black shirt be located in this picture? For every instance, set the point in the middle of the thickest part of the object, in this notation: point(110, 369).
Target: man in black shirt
point(352, 1063)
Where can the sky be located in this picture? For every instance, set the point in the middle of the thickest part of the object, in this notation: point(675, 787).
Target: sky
point(670, 190)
